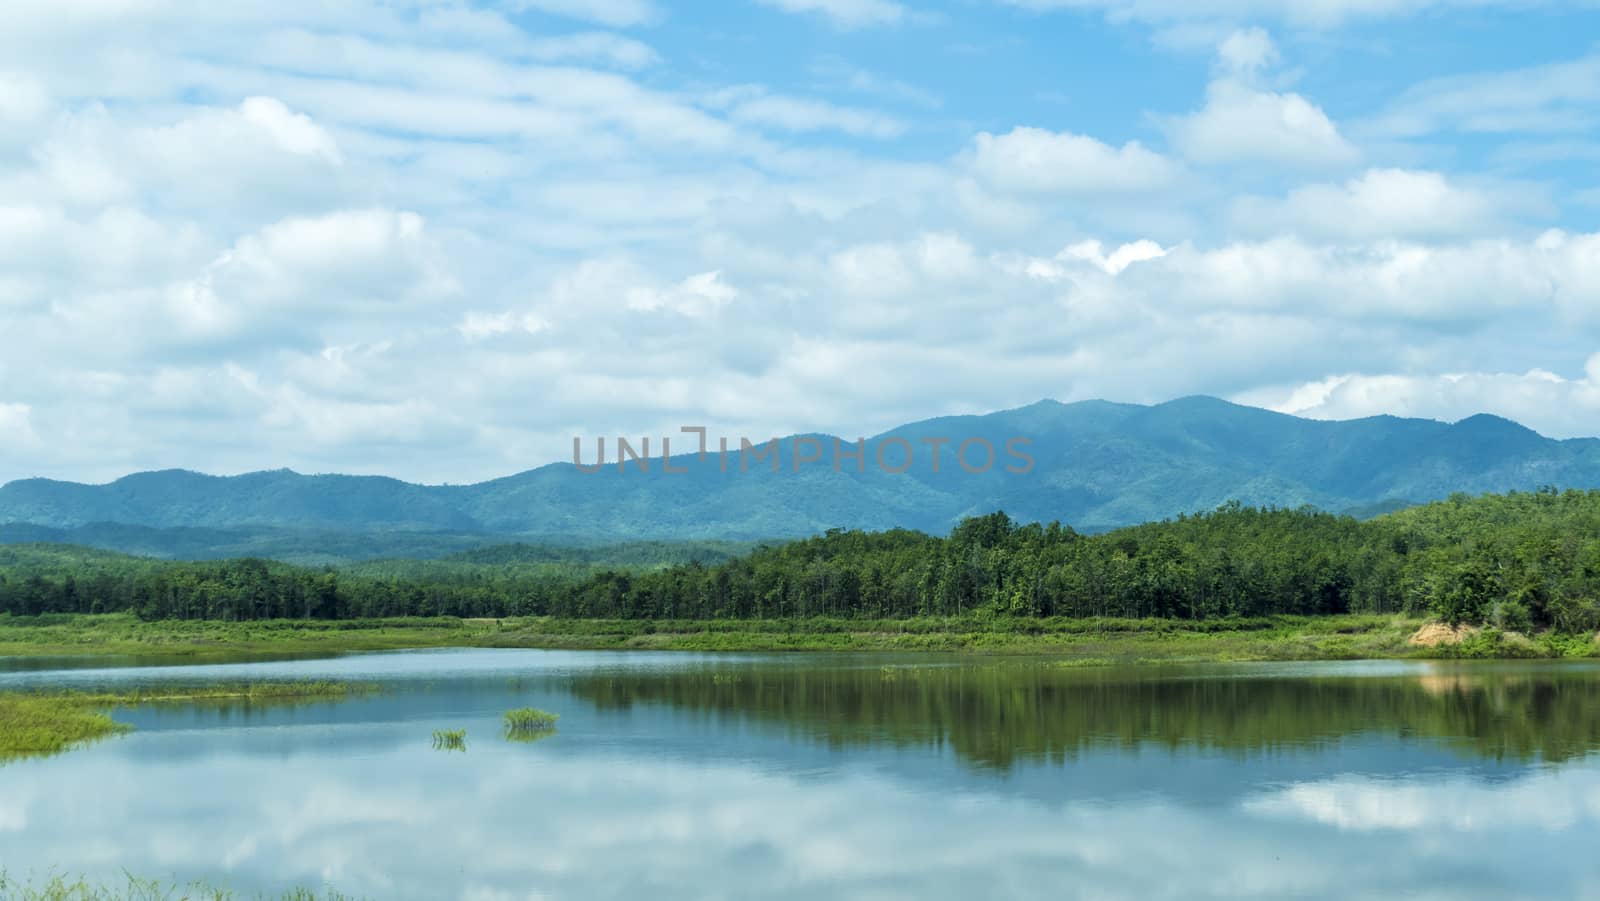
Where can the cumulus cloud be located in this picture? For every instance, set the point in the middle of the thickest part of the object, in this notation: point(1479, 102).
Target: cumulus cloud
point(357, 261)
point(1397, 203)
point(258, 154)
point(1562, 407)
point(291, 131)
point(1116, 261)
point(1034, 159)
point(1247, 50)
point(1241, 123)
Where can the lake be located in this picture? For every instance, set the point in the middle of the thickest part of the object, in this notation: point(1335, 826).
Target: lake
point(820, 776)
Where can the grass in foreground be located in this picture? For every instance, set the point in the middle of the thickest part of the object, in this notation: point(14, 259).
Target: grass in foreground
point(61, 888)
point(44, 722)
point(1082, 640)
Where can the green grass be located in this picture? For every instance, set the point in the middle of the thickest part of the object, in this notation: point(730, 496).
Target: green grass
point(450, 739)
point(526, 723)
point(37, 723)
point(1082, 640)
point(210, 640)
point(37, 726)
point(56, 887)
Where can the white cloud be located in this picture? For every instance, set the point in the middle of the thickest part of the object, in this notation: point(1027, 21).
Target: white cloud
point(1033, 159)
point(803, 115)
point(1241, 123)
point(1550, 403)
point(24, 106)
point(1247, 50)
point(847, 13)
point(696, 297)
point(1555, 274)
point(1299, 13)
point(291, 131)
point(1555, 97)
point(50, 252)
point(598, 46)
point(1116, 261)
point(283, 282)
point(616, 13)
point(258, 154)
point(16, 433)
point(478, 326)
point(1396, 203)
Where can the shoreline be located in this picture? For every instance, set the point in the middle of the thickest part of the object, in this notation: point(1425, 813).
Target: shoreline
point(1342, 637)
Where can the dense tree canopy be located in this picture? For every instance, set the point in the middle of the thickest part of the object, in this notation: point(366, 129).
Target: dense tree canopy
point(1518, 561)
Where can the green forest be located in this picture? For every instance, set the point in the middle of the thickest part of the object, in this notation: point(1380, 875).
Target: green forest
point(1520, 561)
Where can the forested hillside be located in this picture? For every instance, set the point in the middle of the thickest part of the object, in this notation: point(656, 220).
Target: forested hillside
point(1095, 464)
point(1520, 561)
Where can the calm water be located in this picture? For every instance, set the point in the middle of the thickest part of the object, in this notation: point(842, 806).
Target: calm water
point(822, 777)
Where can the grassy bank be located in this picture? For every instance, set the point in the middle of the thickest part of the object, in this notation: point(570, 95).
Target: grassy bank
point(40, 723)
point(210, 640)
point(1085, 640)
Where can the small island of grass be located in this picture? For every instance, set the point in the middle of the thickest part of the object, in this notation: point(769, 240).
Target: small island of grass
point(528, 723)
point(38, 723)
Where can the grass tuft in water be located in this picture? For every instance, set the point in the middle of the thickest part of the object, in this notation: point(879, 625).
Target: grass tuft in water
point(529, 724)
point(450, 739)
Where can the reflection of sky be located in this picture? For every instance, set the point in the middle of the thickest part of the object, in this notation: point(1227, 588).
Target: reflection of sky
point(654, 802)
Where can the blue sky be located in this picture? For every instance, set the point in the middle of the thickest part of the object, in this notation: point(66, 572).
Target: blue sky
point(437, 238)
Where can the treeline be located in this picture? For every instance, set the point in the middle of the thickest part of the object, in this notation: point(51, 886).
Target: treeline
point(1519, 561)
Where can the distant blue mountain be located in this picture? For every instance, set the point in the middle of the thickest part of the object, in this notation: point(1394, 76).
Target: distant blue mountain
point(1097, 465)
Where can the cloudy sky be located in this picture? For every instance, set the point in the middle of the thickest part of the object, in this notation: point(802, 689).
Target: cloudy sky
point(437, 238)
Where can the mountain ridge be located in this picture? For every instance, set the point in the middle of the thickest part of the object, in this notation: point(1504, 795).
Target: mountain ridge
point(1097, 465)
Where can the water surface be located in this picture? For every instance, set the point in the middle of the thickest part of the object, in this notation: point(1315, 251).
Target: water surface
point(816, 776)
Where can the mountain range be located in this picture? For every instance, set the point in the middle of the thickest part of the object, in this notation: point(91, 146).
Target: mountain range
point(1096, 465)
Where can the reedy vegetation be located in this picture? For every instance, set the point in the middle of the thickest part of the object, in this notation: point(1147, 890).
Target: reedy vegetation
point(527, 722)
point(36, 723)
point(1518, 562)
point(450, 739)
point(56, 887)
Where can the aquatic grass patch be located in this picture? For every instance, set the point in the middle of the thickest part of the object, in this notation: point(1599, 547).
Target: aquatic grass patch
point(41, 725)
point(57, 887)
point(529, 723)
point(38, 723)
point(450, 739)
